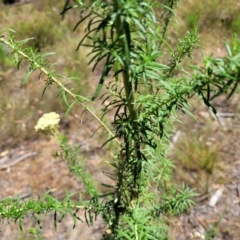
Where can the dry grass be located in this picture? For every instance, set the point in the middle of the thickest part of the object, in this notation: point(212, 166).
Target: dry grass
point(198, 158)
point(216, 20)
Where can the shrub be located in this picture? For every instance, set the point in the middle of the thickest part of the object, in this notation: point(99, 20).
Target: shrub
point(126, 40)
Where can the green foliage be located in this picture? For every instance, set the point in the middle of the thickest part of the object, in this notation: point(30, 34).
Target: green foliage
point(71, 155)
point(192, 20)
point(198, 161)
point(235, 25)
point(213, 230)
point(35, 233)
point(210, 16)
point(176, 201)
point(140, 225)
point(127, 41)
point(5, 61)
point(16, 209)
point(44, 31)
point(203, 156)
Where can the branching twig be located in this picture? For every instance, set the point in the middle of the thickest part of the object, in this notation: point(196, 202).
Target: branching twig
point(52, 78)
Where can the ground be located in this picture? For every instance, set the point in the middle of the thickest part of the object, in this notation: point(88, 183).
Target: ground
point(217, 213)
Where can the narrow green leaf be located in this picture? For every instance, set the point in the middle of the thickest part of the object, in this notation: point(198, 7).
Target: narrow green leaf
point(228, 49)
point(44, 90)
point(64, 98)
point(27, 76)
point(106, 70)
point(69, 109)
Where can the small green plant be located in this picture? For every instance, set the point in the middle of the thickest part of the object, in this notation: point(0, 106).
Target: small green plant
point(198, 161)
point(126, 41)
point(192, 20)
point(35, 233)
point(207, 15)
point(44, 31)
point(5, 61)
point(213, 231)
point(235, 25)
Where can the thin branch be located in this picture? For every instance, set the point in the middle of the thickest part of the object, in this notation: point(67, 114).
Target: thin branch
point(74, 96)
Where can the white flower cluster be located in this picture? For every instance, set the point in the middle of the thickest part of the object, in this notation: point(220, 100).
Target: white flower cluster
point(48, 122)
point(196, 235)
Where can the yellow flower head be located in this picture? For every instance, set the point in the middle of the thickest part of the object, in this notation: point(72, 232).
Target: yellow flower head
point(48, 122)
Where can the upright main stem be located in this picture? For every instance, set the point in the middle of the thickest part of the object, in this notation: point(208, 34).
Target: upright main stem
point(124, 35)
point(121, 31)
